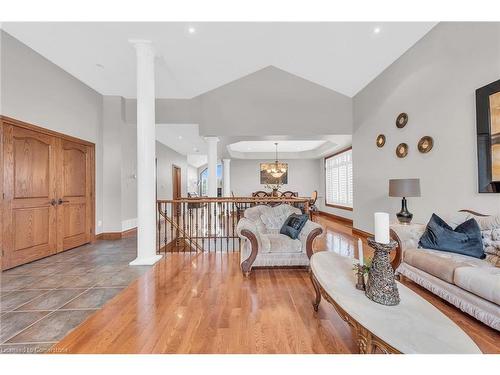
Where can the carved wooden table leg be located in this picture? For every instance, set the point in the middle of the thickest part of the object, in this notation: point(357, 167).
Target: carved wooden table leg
point(317, 299)
point(364, 340)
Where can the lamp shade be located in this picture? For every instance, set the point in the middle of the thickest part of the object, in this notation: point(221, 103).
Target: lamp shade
point(404, 187)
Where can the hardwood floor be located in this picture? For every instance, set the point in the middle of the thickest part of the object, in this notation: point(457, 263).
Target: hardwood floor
point(201, 303)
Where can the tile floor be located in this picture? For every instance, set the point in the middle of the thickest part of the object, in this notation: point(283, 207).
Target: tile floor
point(42, 301)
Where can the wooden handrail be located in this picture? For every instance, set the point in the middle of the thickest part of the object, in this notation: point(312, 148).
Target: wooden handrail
point(236, 199)
point(209, 224)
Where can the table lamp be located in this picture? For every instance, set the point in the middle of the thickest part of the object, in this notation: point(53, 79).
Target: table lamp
point(404, 187)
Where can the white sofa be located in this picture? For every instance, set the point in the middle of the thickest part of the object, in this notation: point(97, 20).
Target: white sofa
point(471, 284)
point(264, 246)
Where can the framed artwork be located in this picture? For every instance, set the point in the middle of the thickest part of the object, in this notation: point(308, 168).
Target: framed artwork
point(488, 137)
point(266, 178)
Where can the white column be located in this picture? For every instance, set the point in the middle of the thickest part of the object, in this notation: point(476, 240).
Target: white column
point(212, 165)
point(227, 177)
point(146, 199)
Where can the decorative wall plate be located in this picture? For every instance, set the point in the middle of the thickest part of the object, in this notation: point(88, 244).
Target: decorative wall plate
point(380, 140)
point(402, 120)
point(402, 150)
point(425, 144)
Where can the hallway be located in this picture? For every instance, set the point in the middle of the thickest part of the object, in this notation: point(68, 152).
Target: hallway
point(44, 300)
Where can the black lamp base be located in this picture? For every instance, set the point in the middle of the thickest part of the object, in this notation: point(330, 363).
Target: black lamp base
point(404, 216)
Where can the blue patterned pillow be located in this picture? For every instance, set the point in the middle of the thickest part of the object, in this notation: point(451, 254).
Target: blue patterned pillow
point(465, 239)
point(293, 225)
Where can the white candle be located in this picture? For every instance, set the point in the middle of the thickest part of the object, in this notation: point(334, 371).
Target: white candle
point(360, 252)
point(381, 227)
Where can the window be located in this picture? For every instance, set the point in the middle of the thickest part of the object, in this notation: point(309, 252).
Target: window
point(204, 180)
point(338, 179)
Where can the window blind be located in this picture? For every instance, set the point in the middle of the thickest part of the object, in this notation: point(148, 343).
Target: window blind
point(338, 176)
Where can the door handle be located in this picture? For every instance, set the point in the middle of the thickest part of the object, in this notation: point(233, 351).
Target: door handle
point(60, 201)
point(53, 202)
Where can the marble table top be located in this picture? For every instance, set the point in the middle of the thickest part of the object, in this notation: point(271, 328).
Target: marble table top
point(413, 326)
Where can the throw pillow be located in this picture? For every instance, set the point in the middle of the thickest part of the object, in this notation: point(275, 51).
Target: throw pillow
point(488, 222)
point(271, 221)
point(274, 217)
point(491, 242)
point(465, 239)
point(293, 225)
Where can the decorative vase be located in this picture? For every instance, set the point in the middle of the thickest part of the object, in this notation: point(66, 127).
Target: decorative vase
point(381, 286)
point(404, 216)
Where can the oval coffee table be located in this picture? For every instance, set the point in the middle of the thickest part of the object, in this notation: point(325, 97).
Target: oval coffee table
point(413, 326)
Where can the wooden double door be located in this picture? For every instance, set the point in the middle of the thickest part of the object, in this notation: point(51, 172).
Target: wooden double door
point(47, 193)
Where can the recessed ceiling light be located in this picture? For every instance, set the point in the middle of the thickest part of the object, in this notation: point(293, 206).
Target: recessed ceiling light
point(180, 137)
point(191, 30)
point(377, 30)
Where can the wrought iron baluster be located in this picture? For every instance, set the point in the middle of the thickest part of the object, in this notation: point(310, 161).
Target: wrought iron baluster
point(171, 225)
point(190, 228)
point(197, 213)
point(165, 221)
point(158, 218)
point(215, 220)
point(183, 215)
point(226, 217)
point(203, 227)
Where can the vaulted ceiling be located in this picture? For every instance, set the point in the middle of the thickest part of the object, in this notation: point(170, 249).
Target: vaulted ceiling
point(193, 58)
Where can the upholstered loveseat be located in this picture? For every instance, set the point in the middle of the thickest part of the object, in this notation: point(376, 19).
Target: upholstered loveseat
point(471, 284)
point(264, 246)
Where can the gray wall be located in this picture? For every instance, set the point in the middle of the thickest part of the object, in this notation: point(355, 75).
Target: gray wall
point(166, 158)
point(267, 102)
point(128, 136)
point(167, 111)
point(303, 176)
point(36, 91)
point(435, 83)
point(274, 102)
point(192, 179)
point(120, 167)
point(112, 159)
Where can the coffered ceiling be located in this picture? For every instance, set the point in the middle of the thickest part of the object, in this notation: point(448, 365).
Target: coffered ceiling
point(186, 140)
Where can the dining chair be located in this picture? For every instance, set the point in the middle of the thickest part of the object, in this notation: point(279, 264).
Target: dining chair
point(312, 203)
point(289, 194)
point(314, 198)
point(260, 194)
point(239, 207)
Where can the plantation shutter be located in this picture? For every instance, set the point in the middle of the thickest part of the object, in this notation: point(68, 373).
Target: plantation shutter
point(338, 175)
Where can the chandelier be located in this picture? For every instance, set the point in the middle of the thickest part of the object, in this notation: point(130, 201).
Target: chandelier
point(277, 169)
